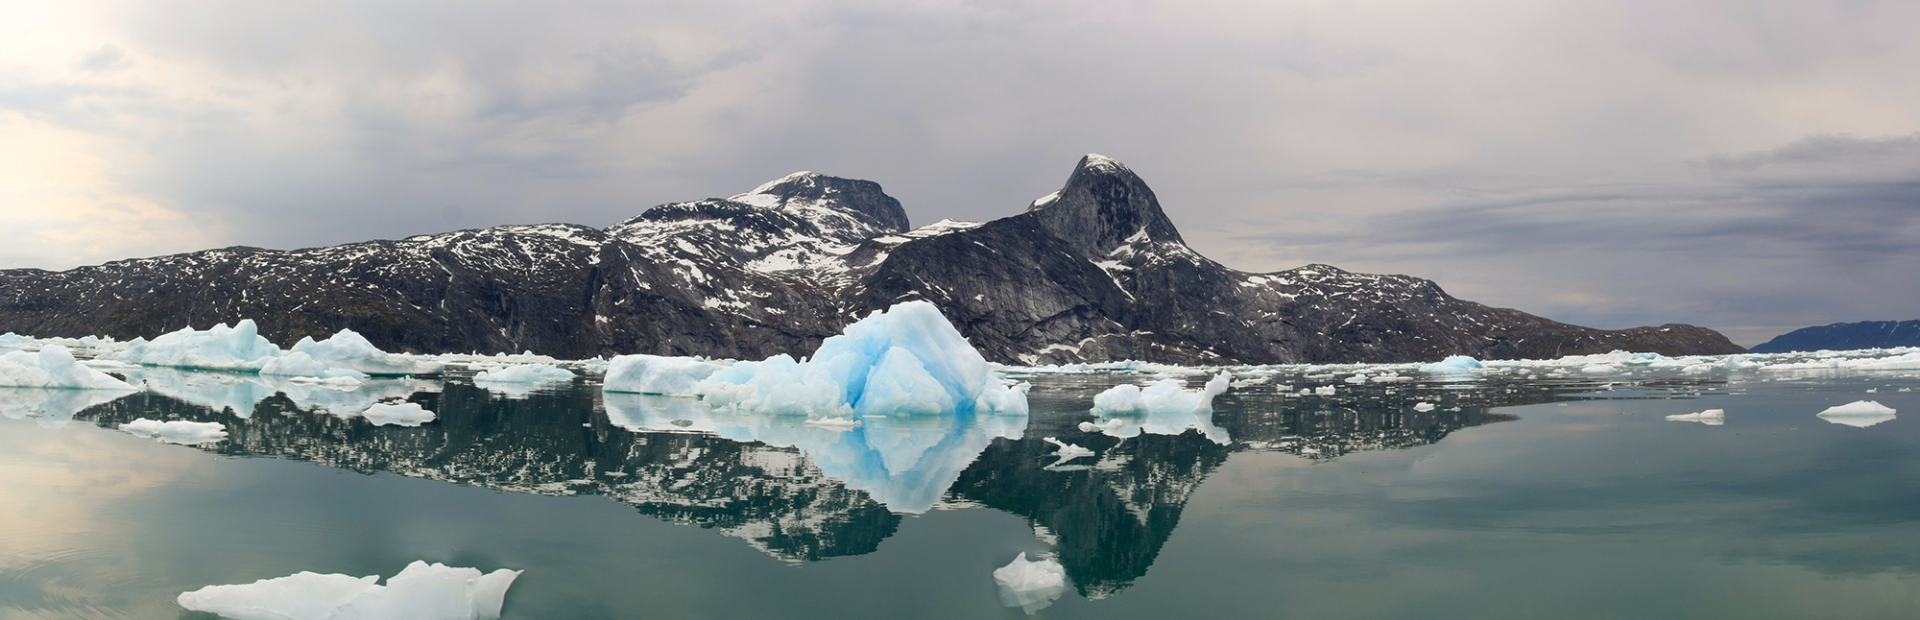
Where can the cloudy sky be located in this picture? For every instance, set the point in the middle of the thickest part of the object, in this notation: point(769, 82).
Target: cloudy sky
point(1748, 165)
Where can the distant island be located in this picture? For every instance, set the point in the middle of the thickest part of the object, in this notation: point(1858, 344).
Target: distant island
point(1093, 272)
point(1846, 337)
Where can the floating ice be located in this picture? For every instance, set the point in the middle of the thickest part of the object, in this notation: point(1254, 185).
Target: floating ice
point(53, 367)
point(239, 347)
point(400, 414)
point(1454, 364)
point(1860, 413)
point(345, 351)
point(1710, 417)
point(1740, 362)
point(901, 361)
point(420, 592)
point(1165, 407)
point(1031, 585)
point(177, 431)
point(1067, 451)
point(528, 374)
point(1326, 390)
point(1423, 406)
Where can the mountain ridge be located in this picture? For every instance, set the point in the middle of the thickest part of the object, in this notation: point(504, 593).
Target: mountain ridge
point(1092, 272)
point(1845, 336)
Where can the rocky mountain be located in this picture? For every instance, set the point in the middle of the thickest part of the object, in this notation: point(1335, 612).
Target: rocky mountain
point(1093, 272)
point(1845, 336)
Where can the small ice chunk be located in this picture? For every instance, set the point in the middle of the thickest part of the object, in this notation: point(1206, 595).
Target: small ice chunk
point(53, 367)
point(1710, 417)
point(1860, 413)
point(1067, 451)
point(420, 592)
point(523, 375)
point(398, 414)
point(177, 431)
point(1031, 585)
point(1423, 406)
point(1325, 390)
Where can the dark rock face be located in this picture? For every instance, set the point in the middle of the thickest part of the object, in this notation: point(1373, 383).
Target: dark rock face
point(1094, 272)
point(1845, 336)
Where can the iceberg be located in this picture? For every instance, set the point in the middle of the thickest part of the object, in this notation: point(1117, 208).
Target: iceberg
point(1067, 451)
point(239, 347)
point(53, 367)
point(1453, 365)
point(346, 353)
point(1423, 406)
point(905, 360)
point(1031, 585)
point(1164, 407)
point(420, 592)
point(905, 463)
point(177, 431)
point(397, 414)
point(1859, 413)
point(528, 374)
point(1710, 417)
point(653, 374)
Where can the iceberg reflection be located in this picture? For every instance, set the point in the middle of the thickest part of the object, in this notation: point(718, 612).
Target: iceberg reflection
point(903, 462)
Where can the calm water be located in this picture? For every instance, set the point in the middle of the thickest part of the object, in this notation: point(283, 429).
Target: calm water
point(1508, 500)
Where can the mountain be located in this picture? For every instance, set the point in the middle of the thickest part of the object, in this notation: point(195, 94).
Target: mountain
point(1093, 272)
point(1845, 336)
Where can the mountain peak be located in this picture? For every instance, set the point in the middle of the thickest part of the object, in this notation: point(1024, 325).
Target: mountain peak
point(1102, 206)
point(815, 189)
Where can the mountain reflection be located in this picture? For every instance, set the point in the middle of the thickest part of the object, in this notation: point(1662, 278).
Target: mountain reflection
point(801, 492)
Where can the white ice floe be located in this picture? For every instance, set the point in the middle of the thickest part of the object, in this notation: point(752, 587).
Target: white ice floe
point(397, 414)
point(527, 374)
point(1031, 585)
point(1710, 417)
point(906, 360)
point(1456, 364)
point(1165, 407)
point(654, 374)
point(221, 347)
point(345, 352)
point(1067, 451)
point(53, 367)
point(177, 431)
point(1860, 413)
point(420, 592)
point(1423, 406)
point(905, 463)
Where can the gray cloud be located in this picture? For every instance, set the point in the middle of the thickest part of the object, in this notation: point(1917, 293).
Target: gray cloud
point(1568, 159)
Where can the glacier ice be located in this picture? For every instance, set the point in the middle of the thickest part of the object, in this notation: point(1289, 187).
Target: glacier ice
point(905, 463)
point(904, 360)
point(1164, 407)
point(653, 374)
point(1067, 451)
point(345, 351)
point(239, 347)
point(1710, 417)
point(397, 414)
point(1860, 413)
point(1423, 406)
point(1031, 585)
point(420, 592)
point(53, 367)
point(525, 374)
point(1454, 364)
point(177, 431)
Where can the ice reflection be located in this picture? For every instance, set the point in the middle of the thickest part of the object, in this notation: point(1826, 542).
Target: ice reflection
point(52, 408)
point(903, 462)
point(242, 392)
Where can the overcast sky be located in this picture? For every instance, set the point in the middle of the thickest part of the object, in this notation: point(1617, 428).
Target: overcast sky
point(1748, 165)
